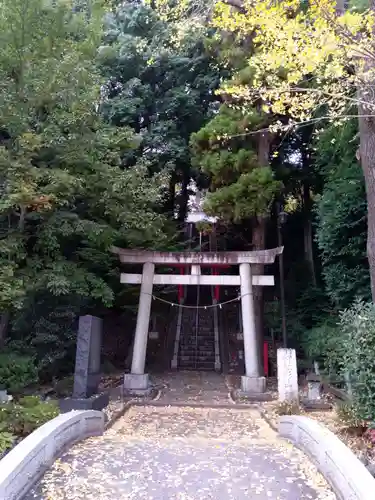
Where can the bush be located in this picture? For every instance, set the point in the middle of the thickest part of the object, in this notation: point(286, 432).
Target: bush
point(22, 420)
point(16, 372)
point(6, 441)
point(326, 344)
point(349, 349)
point(357, 326)
point(288, 408)
point(347, 416)
point(46, 329)
point(29, 401)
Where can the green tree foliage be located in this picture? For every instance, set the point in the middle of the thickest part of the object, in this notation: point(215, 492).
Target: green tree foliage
point(240, 188)
point(341, 216)
point(65, 197)
point(161, 82)
point(65, 194)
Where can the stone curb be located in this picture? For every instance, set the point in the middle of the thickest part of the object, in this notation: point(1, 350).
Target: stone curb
point(187, 404)
point(23, 466)
point(266, 418)
point(128, 404)
point(118, 414)
point(348, 477)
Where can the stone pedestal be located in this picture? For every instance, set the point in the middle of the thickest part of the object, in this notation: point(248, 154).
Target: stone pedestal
point(253, 385)
point(252, 389)
point(287, 378)
point(137, 384)
point(313, 390)
point(314, 401)
point(95, 402)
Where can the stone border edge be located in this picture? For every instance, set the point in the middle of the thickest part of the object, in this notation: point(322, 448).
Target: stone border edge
point(23, 466)
point(347, 476)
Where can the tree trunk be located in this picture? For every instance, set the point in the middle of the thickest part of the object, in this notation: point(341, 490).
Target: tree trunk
point(259, 242)
point(307, 232)
point(169, 205)
point(183, 197)
point(367, 155)
point(4, 322)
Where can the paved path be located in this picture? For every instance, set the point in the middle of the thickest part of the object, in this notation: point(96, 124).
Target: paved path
point(162, 453)
point(193, 388)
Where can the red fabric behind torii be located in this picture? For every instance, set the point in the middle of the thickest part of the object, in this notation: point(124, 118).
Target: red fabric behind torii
point(214, 270)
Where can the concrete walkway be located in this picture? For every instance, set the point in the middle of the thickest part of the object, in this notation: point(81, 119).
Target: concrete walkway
point(190, 387)
point(161, 453)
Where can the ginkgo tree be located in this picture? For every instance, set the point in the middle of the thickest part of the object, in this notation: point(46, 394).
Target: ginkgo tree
point(311, 63)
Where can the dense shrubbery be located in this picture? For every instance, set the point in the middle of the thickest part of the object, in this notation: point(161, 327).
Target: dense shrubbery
point(348, 349)
point(16, 372)
point(347, 416)
point(20, 418)
point(324, 344)
point(288, 408)
point(357, 326)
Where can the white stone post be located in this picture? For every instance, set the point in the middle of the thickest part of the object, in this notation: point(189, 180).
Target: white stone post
point(137, 379)
point(252, 381)
point(287, 378)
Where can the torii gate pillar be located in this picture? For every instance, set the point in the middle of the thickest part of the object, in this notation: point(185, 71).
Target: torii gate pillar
point(137, 380)
point(253, 381)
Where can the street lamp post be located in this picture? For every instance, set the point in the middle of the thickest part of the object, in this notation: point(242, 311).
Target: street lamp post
point(281, 219)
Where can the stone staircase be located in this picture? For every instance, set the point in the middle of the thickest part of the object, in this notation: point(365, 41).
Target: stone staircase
point(197, 340)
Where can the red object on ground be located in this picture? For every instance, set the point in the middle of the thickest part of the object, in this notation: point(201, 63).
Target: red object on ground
point(265, 358)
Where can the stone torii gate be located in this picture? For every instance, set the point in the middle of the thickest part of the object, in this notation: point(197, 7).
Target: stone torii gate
point(252, 382)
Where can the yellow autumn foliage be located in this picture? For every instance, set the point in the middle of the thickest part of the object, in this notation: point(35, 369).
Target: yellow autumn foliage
point(302, 59)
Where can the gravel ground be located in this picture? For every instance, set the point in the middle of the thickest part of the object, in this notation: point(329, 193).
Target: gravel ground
point(160, 453)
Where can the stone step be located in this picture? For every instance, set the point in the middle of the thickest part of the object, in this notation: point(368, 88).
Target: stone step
point(193, 347)
point(193, 342)
point(192, 352)
point(198, 359)
point(203, 366)
point(198, 337)
point(199, 340)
